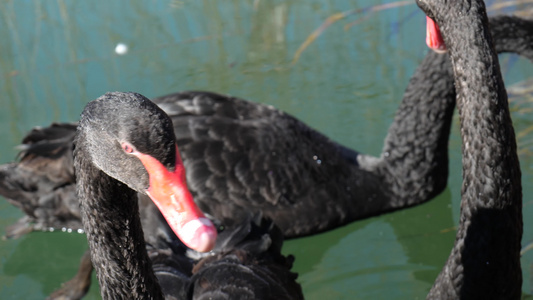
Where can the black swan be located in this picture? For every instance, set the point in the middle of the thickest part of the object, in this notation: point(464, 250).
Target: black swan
point(244, 157)
point(125, 145)
point(485, 260)
point(152, 167)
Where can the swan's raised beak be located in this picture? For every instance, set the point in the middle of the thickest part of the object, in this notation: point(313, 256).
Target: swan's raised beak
point(168, 190)
point(433, 37)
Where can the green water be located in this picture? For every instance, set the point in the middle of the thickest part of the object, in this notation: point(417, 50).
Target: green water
point(55, 56)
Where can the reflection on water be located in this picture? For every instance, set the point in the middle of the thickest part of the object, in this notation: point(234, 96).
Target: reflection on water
point(58, 55)
point(399, 252)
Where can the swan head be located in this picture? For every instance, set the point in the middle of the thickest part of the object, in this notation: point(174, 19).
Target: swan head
point(132, 140)
point(434, 38)
point(445, 13)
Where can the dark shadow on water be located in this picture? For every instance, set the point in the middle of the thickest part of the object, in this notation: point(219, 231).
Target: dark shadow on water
point(426, 233)
point(309, 251)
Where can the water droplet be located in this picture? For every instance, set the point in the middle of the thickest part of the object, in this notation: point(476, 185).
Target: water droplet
point(121, 49)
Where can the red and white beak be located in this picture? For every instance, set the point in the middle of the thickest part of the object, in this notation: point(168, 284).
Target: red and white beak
point(434, 39)
point(169, 192)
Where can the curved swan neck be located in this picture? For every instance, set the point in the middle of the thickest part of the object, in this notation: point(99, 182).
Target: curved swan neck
point(413, 166)
point(110, 215)
point(512, 34)
point(415, 151)
point(485, 260)
point(483, 109)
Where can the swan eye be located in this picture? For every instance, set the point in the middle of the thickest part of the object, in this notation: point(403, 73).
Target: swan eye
point(127, 148)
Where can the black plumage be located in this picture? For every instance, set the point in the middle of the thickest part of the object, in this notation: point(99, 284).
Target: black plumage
point(246, 263)
point(485, 260)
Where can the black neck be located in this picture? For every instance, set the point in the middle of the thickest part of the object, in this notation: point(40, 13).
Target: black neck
point(418, 138)
point(512, 34)
point(110, 215)
point(413, 167)
point(415, 151)
point(485, 260)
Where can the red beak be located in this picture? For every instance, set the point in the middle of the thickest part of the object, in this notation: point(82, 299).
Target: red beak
point(433, 37)
point(169, 192)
